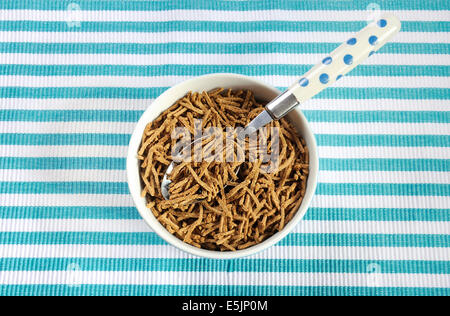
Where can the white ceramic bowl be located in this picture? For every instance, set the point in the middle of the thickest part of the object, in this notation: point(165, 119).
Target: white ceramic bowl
point(263, 92)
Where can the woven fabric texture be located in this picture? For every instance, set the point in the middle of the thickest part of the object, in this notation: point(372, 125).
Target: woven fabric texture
point(75, 76)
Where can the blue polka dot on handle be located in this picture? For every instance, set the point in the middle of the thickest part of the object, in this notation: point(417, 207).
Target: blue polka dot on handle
point(303, 82)
point(373, 40)
point(338, 77)
point(324, 78)
point(348, 59)
point(327, 60)
point(382, 23)
point(371, 53)
point(352, 41)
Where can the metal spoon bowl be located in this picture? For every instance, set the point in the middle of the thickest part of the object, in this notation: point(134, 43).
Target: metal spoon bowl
point(166, 182)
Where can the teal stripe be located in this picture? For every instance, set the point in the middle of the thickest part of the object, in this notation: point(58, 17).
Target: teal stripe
point(214, 26)
point(322, 139)
point(248, 5)
point(209, 48)
point(238, 265)
point(312, 116)
point(196, 70)
point(151, 93)
point(85, 187)
point(293, 239)
point(214, 290)
point(100, 163)
point(314, 213)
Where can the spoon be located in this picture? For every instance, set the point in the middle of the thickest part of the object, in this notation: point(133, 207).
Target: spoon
point(338, 63)
point(165, 183)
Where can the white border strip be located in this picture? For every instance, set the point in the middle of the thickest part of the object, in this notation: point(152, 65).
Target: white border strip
point(325, 176)
point(210, 59)
point(383, 152)
point(324, 152)
point(193, 37)
point(167, 81)
point(72, 278)
point(142, 104)
point(331, 201)
point(276, 252)
point(306, 227)
point(96, 151)
point(369, 128)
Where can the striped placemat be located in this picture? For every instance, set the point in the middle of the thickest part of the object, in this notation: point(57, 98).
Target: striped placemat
point(75, 77)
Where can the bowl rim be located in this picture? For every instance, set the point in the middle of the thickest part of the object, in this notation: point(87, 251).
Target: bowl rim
point(135, 188)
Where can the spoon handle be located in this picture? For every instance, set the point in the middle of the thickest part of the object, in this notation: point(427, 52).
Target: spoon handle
point(342, 60)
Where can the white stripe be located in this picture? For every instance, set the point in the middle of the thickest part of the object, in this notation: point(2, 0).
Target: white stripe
point(67, 127)
point(324, 152)
point(380, 128)
point(142, 104)
point(367, 152)
point(317, 127)
point(209, 37)
point(82, 104)
point(217, 15)
point(382, 201)
point(305, 227)
point(338, 201)
point(325, 176)
point(167, 81)
point(58, 175)
point(210, 59)
point(63, 151)
point(374, 105)
point(223, 278)
point(276, 252)
point(109, 200)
